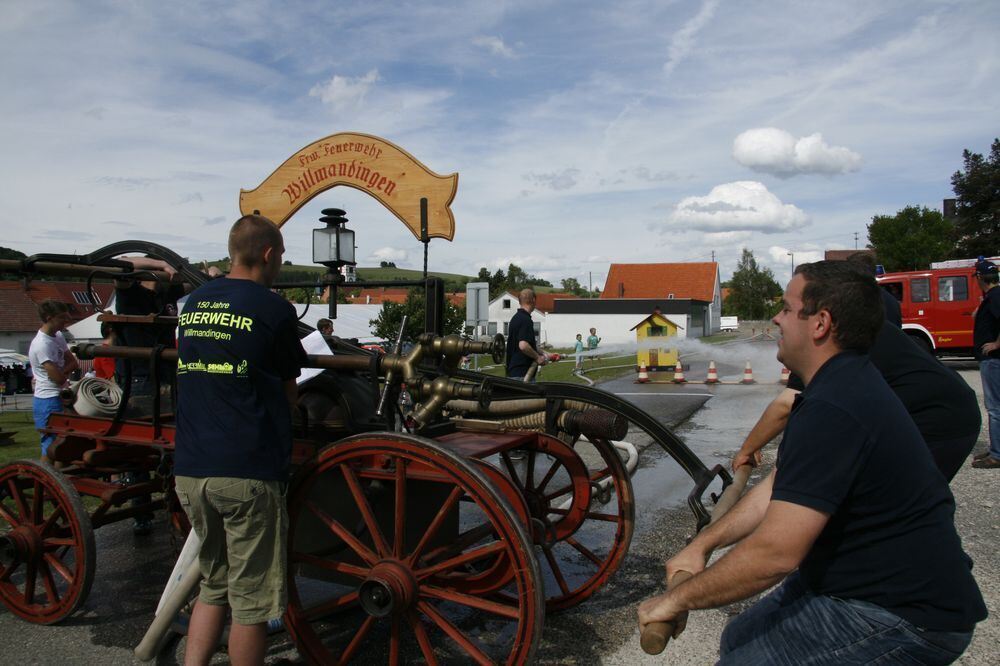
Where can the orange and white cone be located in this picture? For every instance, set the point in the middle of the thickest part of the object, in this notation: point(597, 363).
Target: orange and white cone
point(713, 374)
point(784, 375)
point(748, 375)
point(643, 376)
point(679, 374)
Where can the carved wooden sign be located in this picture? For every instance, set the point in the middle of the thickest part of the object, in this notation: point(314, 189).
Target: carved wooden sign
point(364, 162)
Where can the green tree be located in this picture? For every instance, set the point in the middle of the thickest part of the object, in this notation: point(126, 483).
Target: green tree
point(911, 239)
point(386, 325)
point(387, 264)
point(752, 290)
point(977, 207)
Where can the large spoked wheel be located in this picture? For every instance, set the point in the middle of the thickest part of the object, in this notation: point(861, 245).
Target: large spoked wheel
point(387, 535)
point(47, 553)
point(582, 511)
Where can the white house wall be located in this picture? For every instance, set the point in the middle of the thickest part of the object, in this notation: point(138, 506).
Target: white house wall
point(612, 329)
point(499, 316)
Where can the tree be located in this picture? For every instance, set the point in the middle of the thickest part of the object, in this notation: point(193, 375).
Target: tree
point(752, 290)
point(911, 239)
point(8, 253)
point(387, 264)
point(977, 207)
point(573, 286)
point(386, 325)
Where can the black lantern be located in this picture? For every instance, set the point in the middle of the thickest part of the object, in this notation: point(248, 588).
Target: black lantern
point(333, 245)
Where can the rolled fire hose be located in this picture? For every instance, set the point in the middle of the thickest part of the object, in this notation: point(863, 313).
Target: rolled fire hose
point(96, 397)
point(656, 634)
point(159, 629)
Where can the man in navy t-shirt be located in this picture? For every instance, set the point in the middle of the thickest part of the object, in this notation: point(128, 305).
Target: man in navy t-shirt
point(238, 357)
point(986, 340)
point(856, 519)
point(521, 347)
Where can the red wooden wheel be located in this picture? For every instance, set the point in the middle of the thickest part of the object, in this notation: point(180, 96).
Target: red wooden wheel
point(47, 550)
point(583, 511)
point(386, 533)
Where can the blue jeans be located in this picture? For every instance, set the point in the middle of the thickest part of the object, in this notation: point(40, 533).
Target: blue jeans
point(794, 626)
point(41, 409)
point(989, 373)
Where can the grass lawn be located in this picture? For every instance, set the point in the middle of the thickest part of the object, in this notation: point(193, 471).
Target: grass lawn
point(25, 444)
point(562, 370)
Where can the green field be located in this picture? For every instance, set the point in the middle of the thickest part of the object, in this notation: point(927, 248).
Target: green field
point(25, 443)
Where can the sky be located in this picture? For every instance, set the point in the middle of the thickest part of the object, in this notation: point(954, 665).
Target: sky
point(584, 133)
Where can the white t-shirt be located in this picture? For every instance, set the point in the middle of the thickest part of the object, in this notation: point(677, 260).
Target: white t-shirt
point(44, 349)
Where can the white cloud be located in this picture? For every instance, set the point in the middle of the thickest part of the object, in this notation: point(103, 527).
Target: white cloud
point(389, 254)
point(494, 45)
point(745, 205)
point(775, 151)
point(530, 263)
point(783, 255)
point(727, 236)
point(683, 40)
point(342, 92)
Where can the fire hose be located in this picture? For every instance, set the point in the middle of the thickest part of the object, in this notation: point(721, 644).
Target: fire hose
point(656, 634)
point(93, 396)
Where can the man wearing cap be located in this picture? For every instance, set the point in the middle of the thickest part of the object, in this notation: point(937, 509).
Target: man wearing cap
point(986, 340)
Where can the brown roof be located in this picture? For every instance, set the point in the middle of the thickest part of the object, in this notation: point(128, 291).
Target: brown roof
point(18, 304)
point(688, 280)
point(379, 295)
point(546, 302)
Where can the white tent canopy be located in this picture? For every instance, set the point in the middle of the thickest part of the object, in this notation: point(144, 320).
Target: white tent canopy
point(9, 357)
point(352, 322)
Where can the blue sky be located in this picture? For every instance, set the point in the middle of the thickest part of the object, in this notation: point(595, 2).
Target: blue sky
point(583, 133)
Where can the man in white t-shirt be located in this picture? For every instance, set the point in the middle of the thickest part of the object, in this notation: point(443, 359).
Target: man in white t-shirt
point(52, 362)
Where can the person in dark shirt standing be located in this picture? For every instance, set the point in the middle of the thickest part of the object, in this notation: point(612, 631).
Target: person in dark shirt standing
point(986, 340)
point(522, 349)
point(856, 520)
point(238, 357)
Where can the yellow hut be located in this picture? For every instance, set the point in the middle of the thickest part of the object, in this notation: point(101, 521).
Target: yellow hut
point(650, 337)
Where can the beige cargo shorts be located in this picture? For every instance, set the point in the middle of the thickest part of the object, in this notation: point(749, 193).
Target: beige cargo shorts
point(243, 526)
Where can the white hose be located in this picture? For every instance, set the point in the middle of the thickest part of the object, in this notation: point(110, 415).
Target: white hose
point(96, 397)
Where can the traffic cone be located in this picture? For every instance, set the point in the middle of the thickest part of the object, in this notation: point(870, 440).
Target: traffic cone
point(784, 375)
point(643, 377)
point(748, 375)
point(713, 374)
point(679, 374)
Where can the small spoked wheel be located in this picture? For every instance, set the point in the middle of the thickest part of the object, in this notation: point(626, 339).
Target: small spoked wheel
point(582, 512)
point(388, 535)
point(47, 550)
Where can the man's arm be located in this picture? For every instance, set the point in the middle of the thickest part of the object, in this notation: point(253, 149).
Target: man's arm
point(58, 377)
point(70, 362)
point(738, 522)
point(770, 424)
point(530, 352)
point(779, 544)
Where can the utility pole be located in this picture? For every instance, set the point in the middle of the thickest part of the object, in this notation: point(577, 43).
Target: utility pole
point(713, 256)
point(590, 278)
point(855, 240)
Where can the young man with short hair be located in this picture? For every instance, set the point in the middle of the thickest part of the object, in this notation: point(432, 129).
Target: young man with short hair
point(855, 519)
point(325, 326)
point(522, 349)
point(52, 361)
point(238, 357)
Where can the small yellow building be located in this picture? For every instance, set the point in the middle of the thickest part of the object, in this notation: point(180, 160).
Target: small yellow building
point(651, 339)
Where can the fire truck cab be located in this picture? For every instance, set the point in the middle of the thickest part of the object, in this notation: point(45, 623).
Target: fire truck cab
point(938, 305)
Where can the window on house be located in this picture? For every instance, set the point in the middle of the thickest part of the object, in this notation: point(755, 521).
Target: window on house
point(538, 330)
point(920, 290)
point(657, 331)
point(670, 297)
point(506, 326)
point(81, 298)
point(506, 304)
point(953, 288)
point(491, 328)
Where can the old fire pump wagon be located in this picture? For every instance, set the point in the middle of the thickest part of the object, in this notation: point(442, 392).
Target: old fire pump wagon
point(446, 537)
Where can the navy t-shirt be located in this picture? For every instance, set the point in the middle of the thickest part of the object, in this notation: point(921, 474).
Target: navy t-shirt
point(134, 299)
point(237, 346)
point(987, 325)
point(520, 328)
point(851, 451)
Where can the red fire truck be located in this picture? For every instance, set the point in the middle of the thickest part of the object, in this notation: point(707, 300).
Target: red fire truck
point(938, 304)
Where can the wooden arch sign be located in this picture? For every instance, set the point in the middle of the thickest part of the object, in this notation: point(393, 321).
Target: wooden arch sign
point(364, 162)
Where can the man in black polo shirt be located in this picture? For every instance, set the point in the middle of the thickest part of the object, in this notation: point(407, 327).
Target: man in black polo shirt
point(855, 508)
point(521, 348)
point(986, 340)
point(238, 357)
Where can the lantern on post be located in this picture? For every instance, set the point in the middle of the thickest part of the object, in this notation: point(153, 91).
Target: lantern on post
point(333, 247)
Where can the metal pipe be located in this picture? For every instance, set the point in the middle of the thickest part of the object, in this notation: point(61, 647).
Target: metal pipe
point(73, 270)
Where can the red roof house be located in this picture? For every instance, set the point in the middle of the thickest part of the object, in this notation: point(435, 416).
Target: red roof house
point(19, 301)
point(698, 281)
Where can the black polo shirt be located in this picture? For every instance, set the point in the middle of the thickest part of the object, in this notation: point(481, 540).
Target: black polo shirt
point(520, 328)
point(987, 325)
point(850, 450)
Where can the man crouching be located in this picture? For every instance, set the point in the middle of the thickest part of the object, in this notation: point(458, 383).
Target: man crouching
point(855, 519)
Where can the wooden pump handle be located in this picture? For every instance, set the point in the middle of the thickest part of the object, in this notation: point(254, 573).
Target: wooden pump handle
point(655, 635)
